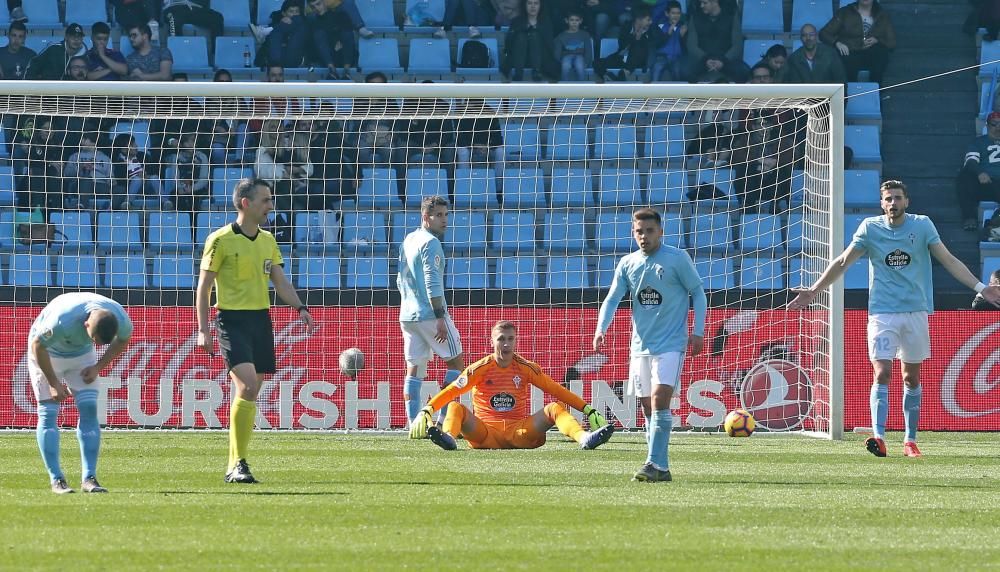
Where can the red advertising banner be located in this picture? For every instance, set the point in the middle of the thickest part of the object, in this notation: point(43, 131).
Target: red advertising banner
point(769, 361)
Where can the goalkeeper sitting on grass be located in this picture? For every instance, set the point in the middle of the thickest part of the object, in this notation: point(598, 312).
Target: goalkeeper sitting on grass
point(501, 394)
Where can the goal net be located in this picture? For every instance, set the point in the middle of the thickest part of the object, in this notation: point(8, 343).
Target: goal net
point(114, 187)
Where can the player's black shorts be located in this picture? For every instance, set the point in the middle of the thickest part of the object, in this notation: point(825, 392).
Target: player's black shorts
point(247, 336)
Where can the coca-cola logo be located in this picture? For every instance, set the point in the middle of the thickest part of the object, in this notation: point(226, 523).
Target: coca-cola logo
point(970, 384)
point(778, 394)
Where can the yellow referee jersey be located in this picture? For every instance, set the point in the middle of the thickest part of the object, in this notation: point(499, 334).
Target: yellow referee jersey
point(243, 267)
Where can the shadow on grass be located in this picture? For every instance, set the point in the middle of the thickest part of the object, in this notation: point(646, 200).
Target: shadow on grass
point(247, 491)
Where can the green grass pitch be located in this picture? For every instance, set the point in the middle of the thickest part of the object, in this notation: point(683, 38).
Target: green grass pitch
point(359, 502)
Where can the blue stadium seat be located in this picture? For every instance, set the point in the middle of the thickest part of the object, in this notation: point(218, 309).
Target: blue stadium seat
point(799, 187)
point(615, 142)
point(710, 232)
point(44, 15)
point(721, 178)
point(523, 188)
point(866, 108)
point(856, 276)
point(379, 189)
point(716, 273)
point(208, 222)
point(515, 272)
point(84, 12)
point(815, 12)
point(432, 8)
point(365, 232)
point(174, 272)
point(77, 231)
point(190, 54)
point(990, 265)
point(470, 273)
point(466, 232)
point(378, 15)
point(604, 274)
point(608, 46)
point(264, 9)
point(368, 273)
point(7, 228)
point(567, 142)
point(224, 179)
point(30, 269)
point(989, 52)
point(619, 187)
point(235, 14)
point(754, 50)
point(761, 273)
point(521, 139)
point(851, 224)
point(125, 271)
point(119, 231)
point(78, 271)
point(425, 182)
point(664, 187)
point(320, 272)
point(7, 195)
point(139, 130)
point(663, 142)
point(794, 237)
point(567, 272)
point(861, 188)
point(513, 231)
point(170, 231)
point(763, 17)
point(39, 42)
point(494, 49)
point(565, 232)
point(379, 54)
point(429, 55)
point(613, 233)
point(315, 234)
point(403, 224)
point(760, 232)
point(229, 52)
point(475, 188)
point(673, 230)
point(571, 187)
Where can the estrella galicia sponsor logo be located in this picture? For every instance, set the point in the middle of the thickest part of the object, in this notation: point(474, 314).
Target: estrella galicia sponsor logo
point(502, 402)
point(649, 297)
point(897, 259)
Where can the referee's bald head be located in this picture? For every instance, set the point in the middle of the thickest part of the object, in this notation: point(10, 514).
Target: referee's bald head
point(247, 189)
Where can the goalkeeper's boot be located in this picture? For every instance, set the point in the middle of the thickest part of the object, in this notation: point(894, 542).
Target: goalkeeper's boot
point(441, 439)
point(597, 438)
point(650, 474)
point(910, 450)
point(875, 446)
point(240, 473)
point(90, 485)
point(60, 487)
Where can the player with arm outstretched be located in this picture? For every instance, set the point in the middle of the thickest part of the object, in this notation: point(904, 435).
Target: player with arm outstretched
point(662, 284)
point(501, 396)
point(900, 298)
point(423, 314)
point(239, 261)
point(62, 361)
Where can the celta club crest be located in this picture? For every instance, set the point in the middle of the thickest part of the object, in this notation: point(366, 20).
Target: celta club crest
point(517, 381)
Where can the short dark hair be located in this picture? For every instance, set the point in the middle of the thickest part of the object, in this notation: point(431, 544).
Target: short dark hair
point(18, 25)
point(221, 72)
point(893, 184)
point(376, 75)
point(179, 75)
point(995, 275)
point(100, 28)
point(641, 12)
point(143, 29)
point(106, 327)
point(503, 325)
point(775, 51)
point(247, 189)
point(647, 214)
point(427, 204)
point(92, 135)
point(570, 12)
point(760, 66)
point(291, 4)
point(673, 4)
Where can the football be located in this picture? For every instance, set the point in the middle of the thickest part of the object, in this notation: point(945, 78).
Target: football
point(739, 423)
point(351, 362)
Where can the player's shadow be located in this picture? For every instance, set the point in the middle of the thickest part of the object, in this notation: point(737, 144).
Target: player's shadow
point(248, 491)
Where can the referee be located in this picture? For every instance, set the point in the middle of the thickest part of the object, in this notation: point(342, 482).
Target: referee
point(239, 259)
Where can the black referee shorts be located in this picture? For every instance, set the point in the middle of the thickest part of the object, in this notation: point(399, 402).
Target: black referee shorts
point(247, 336)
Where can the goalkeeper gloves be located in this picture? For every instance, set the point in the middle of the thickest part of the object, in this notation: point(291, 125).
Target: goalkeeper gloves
point(594, 417)
point(420, 423)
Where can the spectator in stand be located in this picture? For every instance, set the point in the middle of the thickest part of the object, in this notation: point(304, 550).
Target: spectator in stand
point(78, 68)
point(285, 44)
point(776, 58)
point(148, 62)
point(88, 175)
point(980, 303)
point(380, 136)
point(177, 13)
point(814, 62)
point(130, 13)
point(863, 34)
point(529, 44)
point(334, 177)
point(637, 47)
point(332, 38)
point(761, 73)
point(105, 63)
point(574, 48)
point(53, 62)
point(763, 162)
point(343, 8)
point(131, 181)
point(429, 139)
point(472, 16)
point(14, 57)
point(41, 167)
point(979, 179)
point(715, 43)
point(188, 165)
point(479, 140)
point(711, 148)
point(283, 160)
point(598, 15)
point(223, 75)
point(668, 61)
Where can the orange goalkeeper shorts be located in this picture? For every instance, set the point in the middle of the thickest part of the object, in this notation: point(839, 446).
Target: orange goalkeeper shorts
point(520, 434)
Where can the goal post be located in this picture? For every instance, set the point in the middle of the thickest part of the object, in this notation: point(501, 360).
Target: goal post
point(542, 180)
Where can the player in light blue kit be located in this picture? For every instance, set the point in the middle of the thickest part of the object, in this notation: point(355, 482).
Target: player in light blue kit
point(423, 315)
point(662, 283)
point(901, 297)
point(62, 361)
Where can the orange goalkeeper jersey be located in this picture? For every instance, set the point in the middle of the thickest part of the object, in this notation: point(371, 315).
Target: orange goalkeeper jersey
point(504, 393)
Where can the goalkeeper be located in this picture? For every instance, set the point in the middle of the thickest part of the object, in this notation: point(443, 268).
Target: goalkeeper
point(501, 394)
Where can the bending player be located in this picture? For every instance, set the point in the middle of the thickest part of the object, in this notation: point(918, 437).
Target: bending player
point(423, 315)
point(662, 282)
point(61, 354)
point(901, 296)
point(501, 395)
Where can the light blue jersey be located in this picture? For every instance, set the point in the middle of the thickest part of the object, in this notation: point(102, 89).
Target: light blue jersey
point(421, 275)
point(899, 262)
point(661, 286)
point(60, 327)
